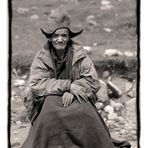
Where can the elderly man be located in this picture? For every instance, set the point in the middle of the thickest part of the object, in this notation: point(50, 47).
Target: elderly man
point(62, 92)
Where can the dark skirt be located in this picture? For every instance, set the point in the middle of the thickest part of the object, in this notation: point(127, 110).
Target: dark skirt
point(77, 126)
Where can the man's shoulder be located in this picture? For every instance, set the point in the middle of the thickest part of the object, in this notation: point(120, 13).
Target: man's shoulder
point(76, 46)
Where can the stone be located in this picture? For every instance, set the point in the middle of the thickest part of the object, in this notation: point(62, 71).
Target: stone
point(12, 98)
point(34, 17)
point(104, 114)
point(22, 87)
point(15, 132)
point(110, 124)
point(112, 116)
point(95, 44)
point(112, 52)
point(122, 131)
point(121, 120)
point(106, 7)
point(118, 107)
point(13, 93)
point(91, 20)
point(18, 122)
point(128, 86)
point(19, 82)
point(116, 92)
point(16, 37)
point(107, 29)
point(25, 77)
point(109, 109)
point(99, 105)
point(131, 94)
point(128, 54)
point(102, 94)
point(88, 49)
point(112, 103)
point(133, 132)
point(105, 2)
point(105, 120)
point(106, 74)
point(22, 10)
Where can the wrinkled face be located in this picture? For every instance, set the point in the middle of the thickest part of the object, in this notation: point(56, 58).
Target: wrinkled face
point(60, 39)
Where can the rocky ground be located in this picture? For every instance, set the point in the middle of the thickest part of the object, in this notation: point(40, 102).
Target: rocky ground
point(119, 112)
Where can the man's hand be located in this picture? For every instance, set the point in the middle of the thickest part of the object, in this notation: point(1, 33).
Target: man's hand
point(76, 91)
point(67, 99)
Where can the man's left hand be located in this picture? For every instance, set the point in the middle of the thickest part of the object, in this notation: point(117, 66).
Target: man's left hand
point(67, 99)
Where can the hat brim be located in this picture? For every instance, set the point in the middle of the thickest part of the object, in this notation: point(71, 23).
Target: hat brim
point(72, 34)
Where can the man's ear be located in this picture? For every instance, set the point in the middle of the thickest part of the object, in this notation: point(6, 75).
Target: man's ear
point(46, 34)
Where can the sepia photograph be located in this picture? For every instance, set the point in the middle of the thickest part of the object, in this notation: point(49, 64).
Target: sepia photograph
point(74, 74)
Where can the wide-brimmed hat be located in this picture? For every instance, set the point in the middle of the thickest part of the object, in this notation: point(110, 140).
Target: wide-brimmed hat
point(58, 19)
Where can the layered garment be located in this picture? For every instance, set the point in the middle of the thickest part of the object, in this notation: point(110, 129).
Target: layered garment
point(76, 126)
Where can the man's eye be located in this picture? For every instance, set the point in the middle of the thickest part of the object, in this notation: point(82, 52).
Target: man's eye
point(64, 35)
point(55, 35)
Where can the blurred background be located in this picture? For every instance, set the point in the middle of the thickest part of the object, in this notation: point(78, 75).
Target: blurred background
point(109, 38)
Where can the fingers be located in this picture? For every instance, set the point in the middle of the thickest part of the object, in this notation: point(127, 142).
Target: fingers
point(83, 96)
point(78, 98)
point(67, 99)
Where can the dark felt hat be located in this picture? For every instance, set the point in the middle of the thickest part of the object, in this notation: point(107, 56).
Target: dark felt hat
point(58, 19)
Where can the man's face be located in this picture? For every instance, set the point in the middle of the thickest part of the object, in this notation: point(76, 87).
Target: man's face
point(60, 39)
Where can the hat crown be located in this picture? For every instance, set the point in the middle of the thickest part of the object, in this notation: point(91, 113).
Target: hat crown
point(59, 18)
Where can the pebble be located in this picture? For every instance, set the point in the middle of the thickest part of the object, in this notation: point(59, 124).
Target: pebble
point(13, 93)
point(19, 82)
point(118, 107)
point(109, 109)
point(104, 114)
point(22, 10)
point(131, 94)
point(91, 20)
point(15, 132)
point(105, 120)
point(107, 29)
point(106, 7)
point(105, 2)
point(34, 17)
point(122, 131)
point(110, 124)
point(12, 98)
point(25, 77)
point(95, 44)
point(106, 74)
point(128, 54)
point(18, 122)
point(99, 105)
point(112, 116)
point(88, 49)
point(16, 37)
point(22, 87)
point(128, 86)
point(112, 52)
point(133, 132)
point(121, 120)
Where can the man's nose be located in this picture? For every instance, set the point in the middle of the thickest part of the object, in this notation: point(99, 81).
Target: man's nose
point(60, 39)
